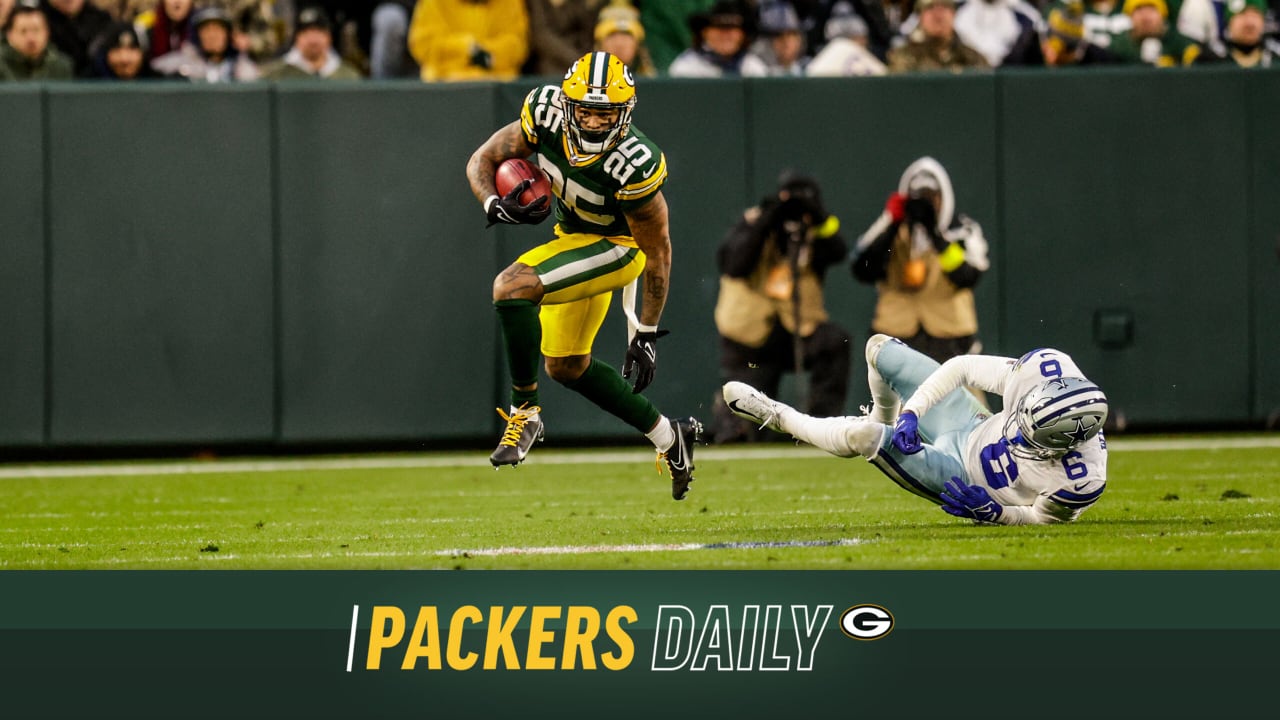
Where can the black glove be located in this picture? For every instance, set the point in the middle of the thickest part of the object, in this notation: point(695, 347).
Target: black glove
point(508, 209)
point(481, 58)
point(642, 358)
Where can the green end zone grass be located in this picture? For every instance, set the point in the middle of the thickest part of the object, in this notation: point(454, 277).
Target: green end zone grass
point(1184, 502)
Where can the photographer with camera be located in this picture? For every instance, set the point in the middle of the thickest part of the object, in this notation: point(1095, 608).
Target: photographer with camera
point(771, 314)
point(924, 259)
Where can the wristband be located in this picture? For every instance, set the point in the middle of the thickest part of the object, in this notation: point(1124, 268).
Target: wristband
point(489, 201)
point(951, 258)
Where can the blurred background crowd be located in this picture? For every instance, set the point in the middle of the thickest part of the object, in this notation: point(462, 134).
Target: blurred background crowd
point(449, 40)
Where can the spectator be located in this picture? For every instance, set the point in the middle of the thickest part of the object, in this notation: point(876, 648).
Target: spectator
point(1104, 19)
point(73, 26)
point(118, 55)
point(771, 314)
point(782, 49)
point(166, 28)
point(469, 39)
point(26, 53)
point(667, 30)
point(258, 26)
point(1006, 32)
point(924, 259)
point(1064, 42)
point(933, 44)
point(846, 52)
point(389, 44)
point(560, 31)
point(1204, 21)
point(814, 14)
point(211, 57)
point(620, 33)
point(312, 55)
point(1246, 45)
point(722, 40)
point(1151, 41)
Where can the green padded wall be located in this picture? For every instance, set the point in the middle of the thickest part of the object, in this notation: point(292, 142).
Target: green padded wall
point(1264, 251)
point(1125, 193)
point(385, 276)
point(22, 267)
point(161, 284)
point(857, 137)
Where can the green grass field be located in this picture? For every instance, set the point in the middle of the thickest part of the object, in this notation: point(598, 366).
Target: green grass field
point(1178, 502)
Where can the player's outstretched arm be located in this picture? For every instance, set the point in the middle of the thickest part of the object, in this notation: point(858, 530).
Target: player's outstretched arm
point(507, 142)
point(652, 234)
point(986, 372)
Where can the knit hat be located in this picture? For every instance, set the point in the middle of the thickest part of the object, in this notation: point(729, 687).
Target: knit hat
point(312, 17)
point(1235, 7)
point(1131, 5)
point(844, 22)
point(120, 35)
point(924, 4)
point(778, 17)
point(619, 17)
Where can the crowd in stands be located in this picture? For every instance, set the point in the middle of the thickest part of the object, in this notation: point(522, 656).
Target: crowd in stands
point(446, 40)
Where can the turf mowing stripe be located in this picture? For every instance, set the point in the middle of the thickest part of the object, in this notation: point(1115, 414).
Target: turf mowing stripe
point(651, 547)
point(546, 457)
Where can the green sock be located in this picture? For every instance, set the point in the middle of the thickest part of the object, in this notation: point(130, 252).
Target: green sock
point(522, 333)
point(602, 385)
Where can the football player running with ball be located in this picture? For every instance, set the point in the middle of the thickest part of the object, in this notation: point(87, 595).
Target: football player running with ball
point(611, 228)
point(1041, 460)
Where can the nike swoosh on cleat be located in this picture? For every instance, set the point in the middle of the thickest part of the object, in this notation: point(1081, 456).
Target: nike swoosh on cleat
point(733, 405)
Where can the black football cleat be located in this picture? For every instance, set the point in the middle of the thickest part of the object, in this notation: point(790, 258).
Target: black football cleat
point(679, 457)
point(524, 428)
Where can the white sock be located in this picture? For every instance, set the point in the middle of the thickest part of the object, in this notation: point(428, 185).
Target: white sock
point(830, 434)
point(885, 402)
point(662, 436)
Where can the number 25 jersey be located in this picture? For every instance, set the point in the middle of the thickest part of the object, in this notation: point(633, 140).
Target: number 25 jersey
point(592, 191)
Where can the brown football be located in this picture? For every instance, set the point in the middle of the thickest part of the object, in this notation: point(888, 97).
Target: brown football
point(512, 172)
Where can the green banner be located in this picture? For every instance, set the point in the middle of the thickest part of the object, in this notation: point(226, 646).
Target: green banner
point(636, 644)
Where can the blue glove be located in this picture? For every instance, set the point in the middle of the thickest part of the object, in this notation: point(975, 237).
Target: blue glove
point(906, 434)
point(970, 501)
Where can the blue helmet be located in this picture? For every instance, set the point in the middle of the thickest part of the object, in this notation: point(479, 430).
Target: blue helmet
point(1057, 416)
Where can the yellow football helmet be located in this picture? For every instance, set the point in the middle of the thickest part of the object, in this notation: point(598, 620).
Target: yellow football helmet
point(600, 81)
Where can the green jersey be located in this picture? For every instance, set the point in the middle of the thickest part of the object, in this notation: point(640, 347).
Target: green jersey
point(594, 191)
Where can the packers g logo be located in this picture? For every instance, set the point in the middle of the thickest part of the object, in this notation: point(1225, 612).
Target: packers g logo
point(628, 77)
point(866, 622)
point(573, 69)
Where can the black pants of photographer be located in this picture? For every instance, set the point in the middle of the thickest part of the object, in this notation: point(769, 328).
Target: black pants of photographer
point(826, 360)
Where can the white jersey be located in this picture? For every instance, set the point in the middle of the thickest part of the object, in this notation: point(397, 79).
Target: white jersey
point(1031, 491)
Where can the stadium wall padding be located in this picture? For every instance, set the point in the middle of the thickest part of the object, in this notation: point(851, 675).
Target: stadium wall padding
point(291, 264)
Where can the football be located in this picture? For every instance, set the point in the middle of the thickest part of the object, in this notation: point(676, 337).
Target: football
point(511, 172)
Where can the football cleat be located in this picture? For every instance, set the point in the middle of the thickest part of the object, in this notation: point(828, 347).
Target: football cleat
point(679, 457)
point(524, 428)
point(750, 404)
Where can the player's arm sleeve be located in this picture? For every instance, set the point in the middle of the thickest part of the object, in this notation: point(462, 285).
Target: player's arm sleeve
point(985, 372)
point(1065, 505)
point(871, 252)
point(964, 259)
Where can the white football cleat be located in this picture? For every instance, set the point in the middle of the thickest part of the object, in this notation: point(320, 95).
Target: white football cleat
point(750, 404)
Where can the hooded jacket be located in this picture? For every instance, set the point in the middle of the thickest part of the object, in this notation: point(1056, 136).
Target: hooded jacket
point(940, 301)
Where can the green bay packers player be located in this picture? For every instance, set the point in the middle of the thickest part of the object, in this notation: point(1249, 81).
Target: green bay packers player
point(611, 229)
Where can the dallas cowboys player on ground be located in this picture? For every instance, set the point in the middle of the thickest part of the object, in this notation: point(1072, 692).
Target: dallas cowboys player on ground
point(1041, 460)
point(611, 228)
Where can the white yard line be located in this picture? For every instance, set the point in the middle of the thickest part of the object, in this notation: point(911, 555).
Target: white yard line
point(549, 457)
